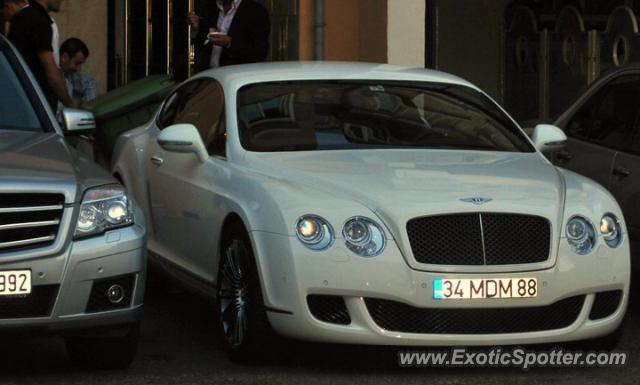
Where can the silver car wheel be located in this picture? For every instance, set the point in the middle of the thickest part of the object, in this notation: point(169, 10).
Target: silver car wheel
point(232, 295)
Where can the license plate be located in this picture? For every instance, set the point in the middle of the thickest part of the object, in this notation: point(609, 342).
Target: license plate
point(15, 282)
point(485, 288)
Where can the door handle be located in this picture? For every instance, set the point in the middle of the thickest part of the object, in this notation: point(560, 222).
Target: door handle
point(564, 156)
point(621, 172)
point(157, 160)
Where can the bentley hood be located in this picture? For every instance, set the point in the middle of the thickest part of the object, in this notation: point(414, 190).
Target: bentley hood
point(401, 184)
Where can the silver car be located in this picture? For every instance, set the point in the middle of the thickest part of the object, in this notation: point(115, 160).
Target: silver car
point(72, 243)
point(603, 127)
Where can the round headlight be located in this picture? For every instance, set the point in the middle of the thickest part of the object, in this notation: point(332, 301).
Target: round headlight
point(116, 212)
point(611, 230)
point(581, 235)
point(364, 237)
point(314, 232)
point(357, 232)
point(88, 219)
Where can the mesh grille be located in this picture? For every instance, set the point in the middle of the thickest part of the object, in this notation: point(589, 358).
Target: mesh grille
point(327, 308)
point(605, 304)
point(480, 239)
point(29, 221)
point(39, 303)
point(398, 317)
point(447, 240)
point(98, 300)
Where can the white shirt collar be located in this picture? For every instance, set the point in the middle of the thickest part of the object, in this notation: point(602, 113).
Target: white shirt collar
point(235, 4)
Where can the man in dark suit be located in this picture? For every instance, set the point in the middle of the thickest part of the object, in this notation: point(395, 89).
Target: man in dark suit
point(230, 32)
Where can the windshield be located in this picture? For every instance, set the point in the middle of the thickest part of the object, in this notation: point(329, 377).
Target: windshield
point(16, 109)
point(341, 115)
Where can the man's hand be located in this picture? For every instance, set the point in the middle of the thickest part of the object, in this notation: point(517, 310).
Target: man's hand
point(221, 40)
point(194, 20)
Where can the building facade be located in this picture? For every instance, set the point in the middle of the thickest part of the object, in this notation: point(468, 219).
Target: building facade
point(533, 56)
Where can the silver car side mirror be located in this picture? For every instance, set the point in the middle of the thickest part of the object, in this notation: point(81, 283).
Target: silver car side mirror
point(77, 122)
point(184, 139)
point(548, 137)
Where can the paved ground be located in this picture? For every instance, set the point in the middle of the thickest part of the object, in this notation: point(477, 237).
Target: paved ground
point(179, 347)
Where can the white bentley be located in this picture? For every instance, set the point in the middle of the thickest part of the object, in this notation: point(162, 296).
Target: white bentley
point(371, 204)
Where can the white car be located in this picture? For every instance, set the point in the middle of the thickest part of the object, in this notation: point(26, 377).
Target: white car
point(372, 204)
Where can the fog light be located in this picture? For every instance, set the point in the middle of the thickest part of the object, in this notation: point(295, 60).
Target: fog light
point(115, 294)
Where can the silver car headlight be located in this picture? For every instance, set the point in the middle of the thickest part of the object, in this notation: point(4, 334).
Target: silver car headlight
point(364, 237)
point(581, 235)
point(611, 230)
point(314, 232)
point(103, 208)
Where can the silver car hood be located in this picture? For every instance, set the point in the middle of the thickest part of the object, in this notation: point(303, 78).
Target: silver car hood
point(44, 162)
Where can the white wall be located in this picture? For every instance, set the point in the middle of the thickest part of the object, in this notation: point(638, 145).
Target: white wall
point(406, 32)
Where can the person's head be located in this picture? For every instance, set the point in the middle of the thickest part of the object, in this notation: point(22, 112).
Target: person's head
point(73, 53)
point(51, 5)
point(11, 7)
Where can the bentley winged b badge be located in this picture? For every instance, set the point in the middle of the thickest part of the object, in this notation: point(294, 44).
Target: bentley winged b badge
point(477, 200)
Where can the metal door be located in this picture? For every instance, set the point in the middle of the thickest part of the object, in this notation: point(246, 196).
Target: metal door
point(147, 37)
point(569, 60)
point(522, 67)
point(284, 29)
point(621, 39)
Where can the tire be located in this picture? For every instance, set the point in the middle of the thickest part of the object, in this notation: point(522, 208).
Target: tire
point(243, 324)
point(110, 352)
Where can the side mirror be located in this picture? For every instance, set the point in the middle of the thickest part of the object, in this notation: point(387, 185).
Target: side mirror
point(184, 139)
point(547, 137)
point(77, 122)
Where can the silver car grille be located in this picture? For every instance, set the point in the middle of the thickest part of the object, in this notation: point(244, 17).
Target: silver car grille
point(29, 220)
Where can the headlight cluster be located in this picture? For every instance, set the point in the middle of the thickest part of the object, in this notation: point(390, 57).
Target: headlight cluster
point(314, 232)
point(611, 230)
point(103, 208)
point(363, 236)
point(582, 235)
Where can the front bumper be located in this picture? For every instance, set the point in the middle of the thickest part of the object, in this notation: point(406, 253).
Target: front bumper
point(68, 279)
point(290, 273)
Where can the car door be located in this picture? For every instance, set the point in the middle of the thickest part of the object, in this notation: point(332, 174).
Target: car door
point(599, 128)
point(187, 204)
point(161, 220)
point(625, 186)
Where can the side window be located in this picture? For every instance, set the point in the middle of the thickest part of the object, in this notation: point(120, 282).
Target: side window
point(174, 105)
point(203, 106)
point(608, 117)
point(168, 114)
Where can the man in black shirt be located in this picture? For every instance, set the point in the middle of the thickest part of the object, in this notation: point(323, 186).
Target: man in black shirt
point(32, 32)
point(230, 32)
point(11, 7)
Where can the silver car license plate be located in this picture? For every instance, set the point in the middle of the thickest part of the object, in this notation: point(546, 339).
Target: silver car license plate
point(16, 282)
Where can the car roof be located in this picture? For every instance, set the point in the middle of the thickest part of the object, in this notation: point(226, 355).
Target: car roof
point(240, 75)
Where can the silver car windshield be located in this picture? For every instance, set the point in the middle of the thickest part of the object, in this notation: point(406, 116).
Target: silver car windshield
point(16, 109)
point(351, 115)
